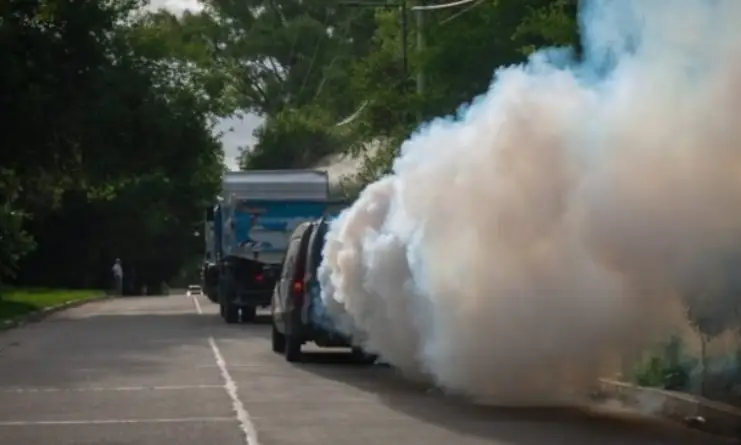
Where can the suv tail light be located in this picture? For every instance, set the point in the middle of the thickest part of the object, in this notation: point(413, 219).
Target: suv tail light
point(259, 278)
point(297, 292)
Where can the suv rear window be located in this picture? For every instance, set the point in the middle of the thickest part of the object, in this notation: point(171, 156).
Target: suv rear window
point(303, 253)
point(293, 256)
point(317, 245)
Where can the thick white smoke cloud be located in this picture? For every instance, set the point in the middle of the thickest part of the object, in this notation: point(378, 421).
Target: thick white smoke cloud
point(519, 249)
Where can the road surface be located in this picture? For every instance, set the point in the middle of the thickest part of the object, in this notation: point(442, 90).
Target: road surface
point(148, 371)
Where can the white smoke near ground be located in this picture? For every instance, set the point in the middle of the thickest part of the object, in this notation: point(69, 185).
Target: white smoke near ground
point(518, 250)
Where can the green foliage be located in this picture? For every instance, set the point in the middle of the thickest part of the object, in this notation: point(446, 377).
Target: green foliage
point(292, 139)
point(463, 48)
point(110, 110)
point(550, 24)
point(15, 242)
point(711, 292)
point(107, 150)
point(671, 367)
point(278, 54)
point(668, 368)
point(16, 302)
point(307, 65)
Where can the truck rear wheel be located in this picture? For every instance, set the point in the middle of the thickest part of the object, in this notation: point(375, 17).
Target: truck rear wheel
point(212, 297)
point(230, 313)
point(248, 314)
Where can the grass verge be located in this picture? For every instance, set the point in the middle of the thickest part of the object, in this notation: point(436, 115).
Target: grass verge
point(17, 302)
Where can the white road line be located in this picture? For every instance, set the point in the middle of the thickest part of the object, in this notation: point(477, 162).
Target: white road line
point(103, 389)
point(198, 305)
point(230, 386)
point(245, 423)
point(112, 421)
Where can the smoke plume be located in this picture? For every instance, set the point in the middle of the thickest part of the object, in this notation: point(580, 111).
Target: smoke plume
point(518, 249)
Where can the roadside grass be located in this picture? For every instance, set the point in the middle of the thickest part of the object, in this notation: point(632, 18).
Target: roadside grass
point(16, 302)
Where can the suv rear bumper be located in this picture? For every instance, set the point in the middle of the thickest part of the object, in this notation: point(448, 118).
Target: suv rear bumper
point(310, 332)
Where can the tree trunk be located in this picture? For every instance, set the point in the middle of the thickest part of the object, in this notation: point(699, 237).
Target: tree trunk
point(703, 364)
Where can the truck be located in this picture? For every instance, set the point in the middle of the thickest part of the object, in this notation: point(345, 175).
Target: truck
point(247, 233)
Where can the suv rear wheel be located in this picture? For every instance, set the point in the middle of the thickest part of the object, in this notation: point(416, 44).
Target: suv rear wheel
point(279, 341)
point(292, 349)
point(360, 356)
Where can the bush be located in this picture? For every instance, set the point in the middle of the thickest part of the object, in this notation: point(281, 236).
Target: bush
point(722, 378)
point(669, 368)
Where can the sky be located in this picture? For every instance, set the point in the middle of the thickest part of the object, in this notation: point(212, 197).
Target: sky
point(237, 131)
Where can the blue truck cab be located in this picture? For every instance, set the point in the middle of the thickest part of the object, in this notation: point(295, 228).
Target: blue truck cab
point(248, 230)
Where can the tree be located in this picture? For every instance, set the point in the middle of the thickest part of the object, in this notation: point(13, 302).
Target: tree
point(711, 290)
point(475, 41)
point(290, 53)
point(286, 60)
point(47, 64)
point(103, 127)
point(548, 23)
point(292, 139)
point(14, 241)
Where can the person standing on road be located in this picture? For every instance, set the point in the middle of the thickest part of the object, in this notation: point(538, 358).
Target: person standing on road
point(118, 276)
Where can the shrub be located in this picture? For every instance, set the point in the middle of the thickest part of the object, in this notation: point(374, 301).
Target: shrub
point(668, 368)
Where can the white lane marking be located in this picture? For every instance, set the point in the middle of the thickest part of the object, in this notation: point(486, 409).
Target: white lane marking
point(113, 421)
point(245, 423)
point(198, 305)
point(230, 386)
point(103, 389)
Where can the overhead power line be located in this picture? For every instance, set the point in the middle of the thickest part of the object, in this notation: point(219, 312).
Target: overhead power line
point(420, 9)
point(442, 6)
point(387, 4)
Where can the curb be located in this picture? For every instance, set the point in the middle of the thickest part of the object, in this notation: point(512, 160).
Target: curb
point(46, 312)
point(692, 411)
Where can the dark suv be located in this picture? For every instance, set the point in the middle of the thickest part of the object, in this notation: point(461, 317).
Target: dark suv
point(297, 313)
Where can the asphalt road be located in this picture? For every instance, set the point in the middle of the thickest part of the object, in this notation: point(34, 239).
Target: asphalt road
point(148, 371)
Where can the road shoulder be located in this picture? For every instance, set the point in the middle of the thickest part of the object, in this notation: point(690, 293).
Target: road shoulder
point(693, 411)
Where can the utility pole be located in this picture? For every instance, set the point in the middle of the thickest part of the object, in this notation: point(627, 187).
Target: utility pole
point(421, 44)
point(404, 38)
point(419, 9)
point(403, 7)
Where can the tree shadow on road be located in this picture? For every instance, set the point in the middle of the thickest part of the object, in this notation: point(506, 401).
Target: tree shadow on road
point(512, 425)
